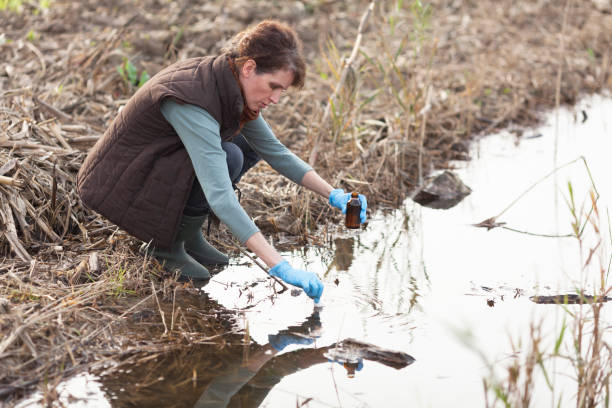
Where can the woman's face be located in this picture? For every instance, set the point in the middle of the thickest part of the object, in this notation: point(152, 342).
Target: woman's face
point(260, 90)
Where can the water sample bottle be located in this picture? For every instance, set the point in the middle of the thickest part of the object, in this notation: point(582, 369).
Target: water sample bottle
point(351, 366)
point(353, 209)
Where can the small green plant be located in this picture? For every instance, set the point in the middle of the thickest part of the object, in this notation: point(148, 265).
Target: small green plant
point(118, 278)
point(172, 49)
point(16, 6)
point(591, 54)
point(11, 5)
point(31, 36)
point(422, 17)
point(129, 74)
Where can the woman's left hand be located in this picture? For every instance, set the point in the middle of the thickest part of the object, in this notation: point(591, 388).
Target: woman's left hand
point(338, 198)
point(308, 281)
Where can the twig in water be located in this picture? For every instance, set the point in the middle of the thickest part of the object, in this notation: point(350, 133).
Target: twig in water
point(242, 251)
point(491, 222)
point(535, 234)
point(161, 312)
point(263, 268)
point(173, 308)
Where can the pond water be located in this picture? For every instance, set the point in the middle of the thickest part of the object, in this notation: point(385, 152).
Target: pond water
point(419, 281)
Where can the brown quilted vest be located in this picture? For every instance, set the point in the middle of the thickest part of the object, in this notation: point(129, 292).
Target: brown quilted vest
point(138, 174)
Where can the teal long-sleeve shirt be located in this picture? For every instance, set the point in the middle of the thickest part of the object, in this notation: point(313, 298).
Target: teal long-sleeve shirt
point(200, 133)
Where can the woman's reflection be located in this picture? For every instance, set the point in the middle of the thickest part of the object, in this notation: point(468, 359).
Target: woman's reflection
point(235, 374)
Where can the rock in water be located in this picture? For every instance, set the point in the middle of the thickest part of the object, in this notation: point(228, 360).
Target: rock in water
point(442, 191)
point(351, 350)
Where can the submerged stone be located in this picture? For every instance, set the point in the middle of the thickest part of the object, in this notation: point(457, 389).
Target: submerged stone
point(442, 191)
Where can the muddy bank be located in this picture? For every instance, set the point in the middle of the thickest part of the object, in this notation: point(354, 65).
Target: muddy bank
point(428, 79)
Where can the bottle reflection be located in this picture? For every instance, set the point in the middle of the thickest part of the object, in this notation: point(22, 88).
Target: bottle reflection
point(347, 356)
point(343, 254)
point(350, 368)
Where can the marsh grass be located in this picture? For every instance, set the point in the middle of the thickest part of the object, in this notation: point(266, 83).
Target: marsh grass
point(592, 357)
point(17, 6)
point(582, 340)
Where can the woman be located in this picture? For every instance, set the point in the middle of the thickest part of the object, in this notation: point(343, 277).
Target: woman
point(186, 137)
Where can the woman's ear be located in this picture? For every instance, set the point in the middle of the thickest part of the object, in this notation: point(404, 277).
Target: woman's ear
point(248, 68)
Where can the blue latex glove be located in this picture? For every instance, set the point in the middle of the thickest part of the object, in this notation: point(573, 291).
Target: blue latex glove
point(282, 340)
point(338, 198)
point(308, 281)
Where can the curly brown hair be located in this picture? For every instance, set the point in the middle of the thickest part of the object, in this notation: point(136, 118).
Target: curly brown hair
point(273, 46)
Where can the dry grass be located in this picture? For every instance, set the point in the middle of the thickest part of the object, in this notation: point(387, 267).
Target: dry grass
point(428, 78)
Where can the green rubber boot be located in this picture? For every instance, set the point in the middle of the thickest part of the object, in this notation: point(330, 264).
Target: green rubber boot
point(178, 258)
point(196, 245)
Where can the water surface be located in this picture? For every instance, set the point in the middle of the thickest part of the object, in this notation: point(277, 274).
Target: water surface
point(420, 281)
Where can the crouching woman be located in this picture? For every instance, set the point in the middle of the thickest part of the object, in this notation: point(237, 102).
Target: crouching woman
point(177, 149)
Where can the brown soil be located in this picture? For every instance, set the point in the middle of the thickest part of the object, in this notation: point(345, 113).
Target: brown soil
point(426, 82)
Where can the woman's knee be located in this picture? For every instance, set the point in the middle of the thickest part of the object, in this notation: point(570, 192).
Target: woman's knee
point(250, 158)
point(234, 158)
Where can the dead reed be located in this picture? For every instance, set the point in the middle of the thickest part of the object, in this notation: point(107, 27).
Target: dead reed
point(581, 342)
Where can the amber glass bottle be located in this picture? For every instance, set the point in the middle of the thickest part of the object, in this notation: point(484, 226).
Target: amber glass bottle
point(353, 209)
point(350, 369)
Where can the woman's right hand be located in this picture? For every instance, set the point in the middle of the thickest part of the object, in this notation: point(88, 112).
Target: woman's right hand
point(308, 281)
point(338, 198)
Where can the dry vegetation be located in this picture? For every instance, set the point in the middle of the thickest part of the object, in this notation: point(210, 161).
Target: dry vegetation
point(579, 347)
point(428, 78)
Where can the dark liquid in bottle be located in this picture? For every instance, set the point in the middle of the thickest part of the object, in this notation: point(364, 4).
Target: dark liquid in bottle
point(350, 369)
point(353, 209)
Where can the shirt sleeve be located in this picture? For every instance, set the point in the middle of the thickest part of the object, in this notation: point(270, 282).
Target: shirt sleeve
point(199, 132)
point(222, 388)
point(261, 138)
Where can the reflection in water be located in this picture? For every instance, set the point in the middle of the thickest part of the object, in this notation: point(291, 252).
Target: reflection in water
point(387, 266)
point(343, 254)
point(235, 371)
point(247, 381)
